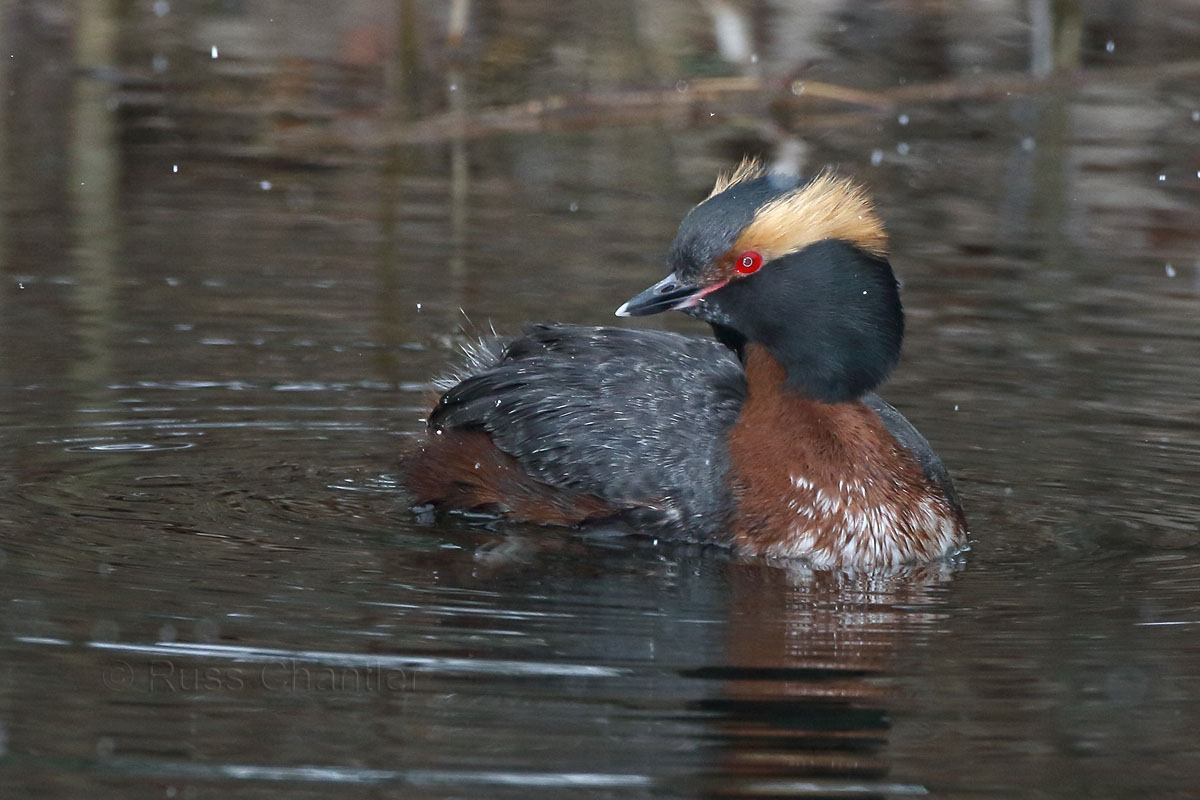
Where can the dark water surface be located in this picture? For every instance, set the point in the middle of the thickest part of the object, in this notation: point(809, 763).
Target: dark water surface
point(238, 240)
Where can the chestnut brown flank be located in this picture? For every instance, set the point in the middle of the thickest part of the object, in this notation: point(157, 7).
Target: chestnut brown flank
point(464, 469)
point(781, 437)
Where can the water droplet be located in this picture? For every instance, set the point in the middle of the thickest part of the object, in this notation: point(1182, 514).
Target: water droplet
point(1162, 178)
point(956, 406)
point(1110, 46)
point(265, 185)
point(454, 87)
point(797, 87)
point(161, 8)
point(214, 51)
point(418, 306)
point(876, 158)
point(902, 148)
point(573, 207)
point(174, 168)
point(1170, 271)
point(902, 119)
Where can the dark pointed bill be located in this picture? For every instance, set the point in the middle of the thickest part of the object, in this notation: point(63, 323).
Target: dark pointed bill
point(665, 295)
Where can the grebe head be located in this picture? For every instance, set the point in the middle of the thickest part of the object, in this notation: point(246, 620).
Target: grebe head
point(798, 267)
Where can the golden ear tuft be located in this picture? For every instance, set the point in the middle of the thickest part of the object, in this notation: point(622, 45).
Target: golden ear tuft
point(827, 207)
point(750, 169)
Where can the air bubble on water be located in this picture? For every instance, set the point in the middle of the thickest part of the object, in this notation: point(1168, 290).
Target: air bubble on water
point(161, 8)
point(264, 185)
point(174, 168)
point(573, 207)
point(902, 119)
point(159, 64)
point(1170, 271)
point(1110, 46)
point(902, 148)
point(1028, 143)
point(876, 158)
point(1162, 177)
point(214, 51)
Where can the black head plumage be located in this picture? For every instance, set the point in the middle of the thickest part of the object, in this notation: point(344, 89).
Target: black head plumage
point(798, 267)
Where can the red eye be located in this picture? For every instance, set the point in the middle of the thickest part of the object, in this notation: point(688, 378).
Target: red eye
point(748, 262)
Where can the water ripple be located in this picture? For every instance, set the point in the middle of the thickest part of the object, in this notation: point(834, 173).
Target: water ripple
point(445, 665)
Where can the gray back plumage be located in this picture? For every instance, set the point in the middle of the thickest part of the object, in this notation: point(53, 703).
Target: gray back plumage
point(634, 417)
